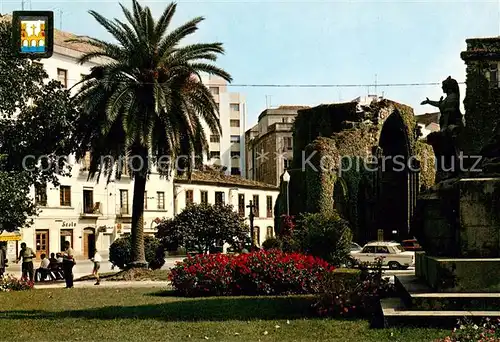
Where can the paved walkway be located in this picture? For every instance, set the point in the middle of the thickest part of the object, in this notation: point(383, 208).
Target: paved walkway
point(113, 284)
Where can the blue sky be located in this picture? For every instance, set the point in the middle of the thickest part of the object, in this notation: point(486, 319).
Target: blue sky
point(320, 42)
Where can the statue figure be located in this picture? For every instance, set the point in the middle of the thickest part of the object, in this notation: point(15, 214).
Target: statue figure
point(451, 124)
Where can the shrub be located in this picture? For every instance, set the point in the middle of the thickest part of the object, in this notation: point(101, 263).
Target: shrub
point(347, 292)
point(326, 236)
point(467, 331)
point(259, 273)
point(201, 227)
point(271, 243)
point(120, 252)
point(9, 283)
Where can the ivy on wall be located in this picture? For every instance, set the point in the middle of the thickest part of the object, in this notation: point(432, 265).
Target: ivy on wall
point(482, 100)
point(332, 141)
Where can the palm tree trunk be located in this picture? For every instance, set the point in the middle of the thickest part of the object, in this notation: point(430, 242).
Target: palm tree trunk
point(138, 254)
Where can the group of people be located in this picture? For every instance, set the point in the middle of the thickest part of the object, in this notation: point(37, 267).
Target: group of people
point(59, 265)
point(64, 263)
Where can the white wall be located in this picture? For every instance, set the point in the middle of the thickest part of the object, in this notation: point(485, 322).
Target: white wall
point(231, 197)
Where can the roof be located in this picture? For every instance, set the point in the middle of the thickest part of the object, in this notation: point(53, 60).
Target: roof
point(276, 110)
point(220, 179)
point(427, 118)
point(382, 243)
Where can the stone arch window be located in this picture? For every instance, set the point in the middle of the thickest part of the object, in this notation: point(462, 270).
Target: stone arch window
point(256, 236)
point(269, 232)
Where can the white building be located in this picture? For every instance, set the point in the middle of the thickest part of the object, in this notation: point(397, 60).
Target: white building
point(228, 149)
point(92, 215)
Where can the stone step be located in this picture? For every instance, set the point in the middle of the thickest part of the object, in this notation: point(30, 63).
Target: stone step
point(395, 313)
point(417, 296)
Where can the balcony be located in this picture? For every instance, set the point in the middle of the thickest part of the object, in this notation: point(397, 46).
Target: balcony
point(90, 209)
point(123, 211)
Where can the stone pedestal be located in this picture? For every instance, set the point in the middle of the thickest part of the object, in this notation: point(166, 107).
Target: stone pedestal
point(459, 229)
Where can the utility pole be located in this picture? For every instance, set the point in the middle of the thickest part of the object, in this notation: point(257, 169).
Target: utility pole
point(251, 216)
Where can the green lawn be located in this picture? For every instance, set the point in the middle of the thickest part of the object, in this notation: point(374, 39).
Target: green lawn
point(145, 315)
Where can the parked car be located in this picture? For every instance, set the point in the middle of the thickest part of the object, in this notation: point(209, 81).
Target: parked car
point(355, 247)
point(393, 254)
point(411, 245)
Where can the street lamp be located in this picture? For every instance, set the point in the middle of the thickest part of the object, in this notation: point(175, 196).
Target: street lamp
point(286, 179)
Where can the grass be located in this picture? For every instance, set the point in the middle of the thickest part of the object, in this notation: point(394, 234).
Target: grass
point(139, 314)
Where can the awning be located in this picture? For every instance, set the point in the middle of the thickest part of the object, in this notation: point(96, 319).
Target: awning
point(10, 236)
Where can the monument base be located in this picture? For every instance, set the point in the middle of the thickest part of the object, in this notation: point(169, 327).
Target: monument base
point(459, 274)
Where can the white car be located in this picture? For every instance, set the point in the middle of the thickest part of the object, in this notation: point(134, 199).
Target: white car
point(393, 254)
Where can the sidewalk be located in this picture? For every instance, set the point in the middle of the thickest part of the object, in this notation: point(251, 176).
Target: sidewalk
point(107, 284)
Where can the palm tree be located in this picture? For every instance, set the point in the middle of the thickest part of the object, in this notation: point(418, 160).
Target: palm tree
point(145, 101)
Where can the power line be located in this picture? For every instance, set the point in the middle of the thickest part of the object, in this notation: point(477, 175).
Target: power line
point(310, 85)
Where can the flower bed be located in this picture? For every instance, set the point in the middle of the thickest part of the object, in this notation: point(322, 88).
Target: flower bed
point(10, 283)
point(259, 273)
point(467, 331)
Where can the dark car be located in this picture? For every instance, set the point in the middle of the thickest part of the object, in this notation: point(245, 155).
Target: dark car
point(411, 245)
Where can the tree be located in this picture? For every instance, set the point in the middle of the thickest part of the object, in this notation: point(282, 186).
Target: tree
point(147, 101)
point(203, 226)
point(16, 207)
point(324, 235)
point(35, 119)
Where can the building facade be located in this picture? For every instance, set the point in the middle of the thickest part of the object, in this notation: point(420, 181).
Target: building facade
point(92, 215)
point(227, 149)
point(269, 144)
point(216, 188)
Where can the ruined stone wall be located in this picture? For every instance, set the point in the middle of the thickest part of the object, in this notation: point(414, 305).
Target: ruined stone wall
point(482, 99)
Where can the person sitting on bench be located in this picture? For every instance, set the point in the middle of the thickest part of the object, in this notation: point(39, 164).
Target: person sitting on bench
point(43, 271)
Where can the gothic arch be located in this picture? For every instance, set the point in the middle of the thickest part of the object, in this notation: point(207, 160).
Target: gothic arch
point(395, 203)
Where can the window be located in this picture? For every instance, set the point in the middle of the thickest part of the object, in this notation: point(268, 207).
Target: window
point(368, 249)
point(256, 205)
point(235, 171)
point(145, 200)
point(234, 107)
point(287, 163)
point(269, 206)
point(65, 196)
point(382, 249)
point(214, 90)
point(214, 154)
point(161, 199)
point(41, 194)
point(124, 202)
point(204, 197)
point(235, 138)
point(219, 198)
point(189, 197)
point(62, 76)
point(287, 143)
point(88, 201)
point(234, 123)
point(235, 154)
point(494, 76)
point(256, 236)
point(86, 162)
point(214, 138)
point(241, 204)
point(269, 232)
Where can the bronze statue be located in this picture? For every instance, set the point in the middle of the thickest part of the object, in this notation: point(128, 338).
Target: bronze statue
point(450, 116)
point(451, 124)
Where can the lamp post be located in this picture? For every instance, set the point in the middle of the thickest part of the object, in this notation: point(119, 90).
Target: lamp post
point(286, 179)
point(251, 217)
